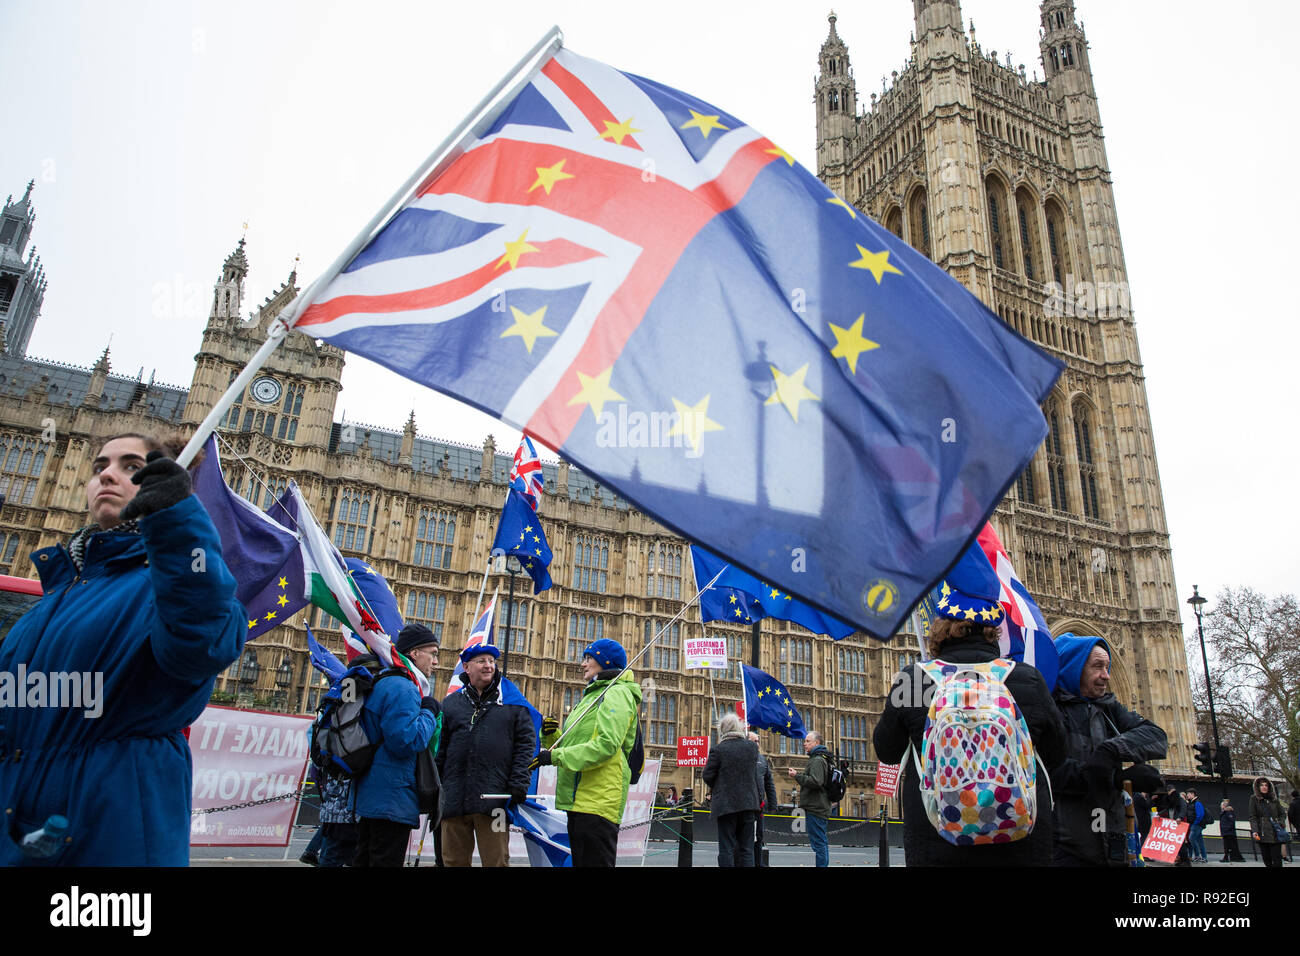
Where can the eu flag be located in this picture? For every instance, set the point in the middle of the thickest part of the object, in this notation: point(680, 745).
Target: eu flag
point(380, 599)
point(768, 705)
point(520, 534)
point(262, 554)
point(742, 599)
point(655, 290)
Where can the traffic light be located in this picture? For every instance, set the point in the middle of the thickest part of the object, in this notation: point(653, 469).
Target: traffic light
point(1204, 758)
point(1223, 763)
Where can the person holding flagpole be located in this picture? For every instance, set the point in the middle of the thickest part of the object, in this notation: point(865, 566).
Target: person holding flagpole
point(591, 753)
point(141, 602)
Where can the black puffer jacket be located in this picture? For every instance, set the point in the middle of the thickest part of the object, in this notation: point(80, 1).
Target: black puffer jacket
point(733, 775)
point(486, 748)
point(903, 722)
point(1101, 724)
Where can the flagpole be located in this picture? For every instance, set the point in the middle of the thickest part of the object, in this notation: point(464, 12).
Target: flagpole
point(484, 111)
point(662, 631)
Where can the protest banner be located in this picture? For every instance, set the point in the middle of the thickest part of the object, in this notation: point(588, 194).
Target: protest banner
point(241, 756)
point(709, 653)
point(1163, 841)
point(692, 751)
point(887, 779)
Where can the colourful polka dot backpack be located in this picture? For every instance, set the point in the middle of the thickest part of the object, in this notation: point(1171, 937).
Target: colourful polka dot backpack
point(977, 765)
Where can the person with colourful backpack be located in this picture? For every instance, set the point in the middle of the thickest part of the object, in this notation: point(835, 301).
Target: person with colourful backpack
point(977, 735)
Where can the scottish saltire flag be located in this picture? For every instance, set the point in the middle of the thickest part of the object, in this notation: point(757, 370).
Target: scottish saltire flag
point(652, 288)
point(480, 633)
point(261, 553)
point(768, 705)
point(742, 599)
point(546, 833)
point(520, 533)
point(1024, 632)
point(323, 659)
point(526, 473)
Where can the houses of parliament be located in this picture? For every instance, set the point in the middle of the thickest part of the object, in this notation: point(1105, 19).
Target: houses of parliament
point(1001, 180)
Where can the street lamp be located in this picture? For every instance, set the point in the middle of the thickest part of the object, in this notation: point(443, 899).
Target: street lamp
point(283, 677)
point(1196, 601)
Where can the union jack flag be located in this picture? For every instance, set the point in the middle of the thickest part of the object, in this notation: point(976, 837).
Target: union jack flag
point(768, 372)
point(1025, 635)
point(480, 633)
point(526, 472)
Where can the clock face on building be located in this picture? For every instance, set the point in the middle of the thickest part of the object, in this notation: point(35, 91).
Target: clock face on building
point(266, 390)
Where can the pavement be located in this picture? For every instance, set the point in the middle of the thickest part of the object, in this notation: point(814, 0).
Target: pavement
point(658, 853)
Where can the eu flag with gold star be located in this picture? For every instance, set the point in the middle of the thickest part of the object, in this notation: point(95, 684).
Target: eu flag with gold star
point(519, 533)
point(768, 705)
point(741, 598)
point(651, 287)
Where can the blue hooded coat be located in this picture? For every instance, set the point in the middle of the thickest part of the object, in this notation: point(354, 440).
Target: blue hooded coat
point(1101, 735)
point(159, 631)
point(393, 713)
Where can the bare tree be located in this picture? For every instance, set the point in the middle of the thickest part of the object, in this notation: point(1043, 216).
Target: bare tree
point(1254, 647)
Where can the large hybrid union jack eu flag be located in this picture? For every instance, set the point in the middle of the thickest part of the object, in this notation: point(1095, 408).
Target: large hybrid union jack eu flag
point(652, 288)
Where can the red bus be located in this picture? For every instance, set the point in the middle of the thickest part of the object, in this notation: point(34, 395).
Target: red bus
point(16, 596)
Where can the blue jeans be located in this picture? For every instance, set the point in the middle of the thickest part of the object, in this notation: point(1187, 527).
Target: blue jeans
point(1196, 840)
point(817, 838)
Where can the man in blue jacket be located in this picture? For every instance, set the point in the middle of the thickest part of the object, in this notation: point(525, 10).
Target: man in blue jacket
point(402, 723)
point(141, 605)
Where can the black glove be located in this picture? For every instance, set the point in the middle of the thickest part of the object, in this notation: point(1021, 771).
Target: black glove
point(162, 483)
point(431, 704)
point(1099, 771)
point(1143, 777)
point(517, 797)
point(543, 759)
point(549, 726)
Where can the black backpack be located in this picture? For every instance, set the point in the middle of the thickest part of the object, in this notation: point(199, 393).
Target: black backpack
point(836, 784)
point(339, 744)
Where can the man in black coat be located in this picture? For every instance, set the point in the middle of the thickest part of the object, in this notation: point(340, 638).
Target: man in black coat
point(486, 748)
point(1101, 735)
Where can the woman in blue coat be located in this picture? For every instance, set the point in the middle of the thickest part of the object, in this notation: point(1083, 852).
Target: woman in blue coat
point(140, 613)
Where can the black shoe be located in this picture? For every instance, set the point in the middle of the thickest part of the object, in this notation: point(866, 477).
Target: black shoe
point(311, 859)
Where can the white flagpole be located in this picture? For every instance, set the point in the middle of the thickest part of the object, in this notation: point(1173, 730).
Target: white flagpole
point(485, 112)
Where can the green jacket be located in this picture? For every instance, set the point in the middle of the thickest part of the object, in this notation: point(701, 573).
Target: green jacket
point(591, 760)
point(812, 783)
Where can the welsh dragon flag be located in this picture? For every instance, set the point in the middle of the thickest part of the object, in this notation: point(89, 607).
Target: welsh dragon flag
point(330, 588)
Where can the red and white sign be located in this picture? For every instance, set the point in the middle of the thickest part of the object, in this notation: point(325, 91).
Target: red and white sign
point(887, 779)
point(242, 756)
point(709, 653)
point(1163, 841)
point(692, 751)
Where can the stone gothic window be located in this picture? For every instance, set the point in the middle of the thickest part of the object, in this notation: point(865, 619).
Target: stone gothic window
point(1058, 242)
point(583, 630)
point(1030, 246)
point(667, 650)
point(1025, 486)
point(1056, 464)
point(835, 100)
point(274, 488)
point(351, 520)
point(919, 222)
point(663, 720)
point(429, 609)
point(894, 221)
point(435, 534)
point(664, 571)
point(1087, 468)
point(518, 617)
point(591, 563)
point(290, 411)
point(21, 462)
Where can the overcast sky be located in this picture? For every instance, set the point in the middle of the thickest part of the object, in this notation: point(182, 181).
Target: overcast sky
point(155, 130)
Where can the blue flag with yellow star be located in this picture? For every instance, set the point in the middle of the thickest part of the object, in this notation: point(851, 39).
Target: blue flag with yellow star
point(768, 705)
point(519, 533)
point(380, 599)
point(649, 286)
point(262, 554)
point(743, 599)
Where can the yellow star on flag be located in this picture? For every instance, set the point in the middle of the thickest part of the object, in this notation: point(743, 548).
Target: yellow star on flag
point(596, 392)
point(778, 151)
point(877, 263)
point(837, 201)
point(693, 421)
point(738, 615)
point(529, 327)
point(775, 593)
point(850, 342)
point(705, 124)
point(790, 390)
point(548, 176)
point(270, 615)
point(284, 582)
point(282, 600)
point(733, 599)
point(252, 624)
point(760, 693)
point(517, 248)
point(616, 131)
